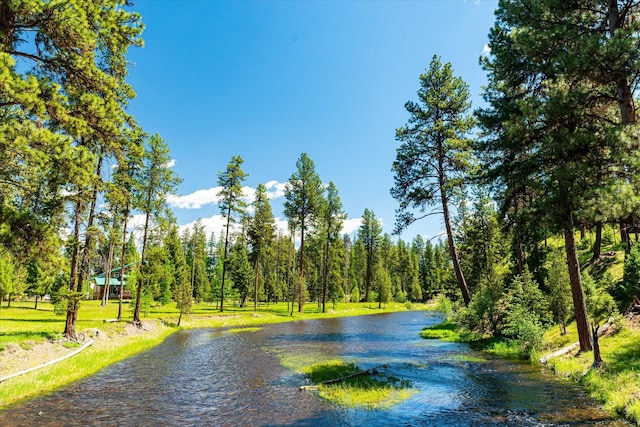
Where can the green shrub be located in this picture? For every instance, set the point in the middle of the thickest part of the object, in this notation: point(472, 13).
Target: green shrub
point(444, 306)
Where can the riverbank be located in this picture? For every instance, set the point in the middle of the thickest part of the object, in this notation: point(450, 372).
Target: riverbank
point(616, 383)
point(30, 337)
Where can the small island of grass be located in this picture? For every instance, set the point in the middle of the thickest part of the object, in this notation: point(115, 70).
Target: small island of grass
point(346, 384)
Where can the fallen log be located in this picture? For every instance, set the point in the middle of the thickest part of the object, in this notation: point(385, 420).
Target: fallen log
point(370, 371)
point(568, 349)
point(558, 353)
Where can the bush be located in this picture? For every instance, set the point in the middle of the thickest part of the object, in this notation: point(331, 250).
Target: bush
point(444, 306)
point(525, 328)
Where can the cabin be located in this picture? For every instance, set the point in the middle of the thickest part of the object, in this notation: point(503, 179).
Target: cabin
point(98, 284)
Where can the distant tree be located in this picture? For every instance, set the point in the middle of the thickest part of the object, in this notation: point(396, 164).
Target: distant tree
point(120, 198)
point(303, 194)
point(357, 269)
point(181, 289)
point(230, 204)
point(196, 253)
point(332, 219)
point(261, 234)
point(481, 243)
point(154, 181)
point(630, 283)
point(559, 289)
point(241, 272)
point(382, 285)
point(7, 276)
point(39, 279)
point(434, 157)
point(371, 234)
point(335, 277)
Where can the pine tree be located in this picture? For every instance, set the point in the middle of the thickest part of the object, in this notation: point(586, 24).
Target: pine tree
point(333, 217)
point(434, 157)
point(230, 204)
point(302, 206)
point(155, 180)
point(261, 234)
point(550, 127)
point(370, 233)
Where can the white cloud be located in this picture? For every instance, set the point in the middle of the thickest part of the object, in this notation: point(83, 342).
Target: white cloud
point(282, 226)
point(275, 189)
point(213, 224)
point(486, 50)
point(200, 198)
point(249, 194)
point(351, 225)
point(195, 200)
point(171, 163)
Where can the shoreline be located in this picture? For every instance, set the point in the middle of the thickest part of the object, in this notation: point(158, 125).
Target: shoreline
point(615, 384)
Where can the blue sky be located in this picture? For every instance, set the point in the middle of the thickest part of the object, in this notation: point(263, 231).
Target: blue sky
point(268, 80)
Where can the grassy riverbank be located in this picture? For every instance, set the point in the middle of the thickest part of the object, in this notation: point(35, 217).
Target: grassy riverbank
point(616, 384)
point(30, 337)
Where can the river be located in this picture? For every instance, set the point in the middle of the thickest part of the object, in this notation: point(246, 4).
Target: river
point(211, 377)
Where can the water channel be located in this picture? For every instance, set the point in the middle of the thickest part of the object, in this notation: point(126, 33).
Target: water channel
point(210, 377)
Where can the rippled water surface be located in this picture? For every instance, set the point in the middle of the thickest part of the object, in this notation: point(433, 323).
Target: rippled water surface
point(212, 377)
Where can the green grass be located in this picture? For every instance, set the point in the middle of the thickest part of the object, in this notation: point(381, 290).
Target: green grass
point(445, 331)
point(617, 382)
point(449, 331)
point(100, 355)
point(362, 391)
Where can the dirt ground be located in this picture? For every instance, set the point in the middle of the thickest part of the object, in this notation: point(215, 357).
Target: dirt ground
point(18, 357)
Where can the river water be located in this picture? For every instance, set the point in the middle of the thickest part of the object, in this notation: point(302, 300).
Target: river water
point(211, 377)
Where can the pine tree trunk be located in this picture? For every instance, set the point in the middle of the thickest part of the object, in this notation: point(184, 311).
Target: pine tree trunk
point(462, 283)
point(326, 275)
point(367, 281)
point(579, 303)
point(302, 282)
point(122, 260)
point(623, 88)
point(255, 283)
point(519, 253)
point(624, 236)
point(72, 307)
point(597, 245)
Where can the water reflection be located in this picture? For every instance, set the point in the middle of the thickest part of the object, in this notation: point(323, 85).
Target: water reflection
point(215, 378)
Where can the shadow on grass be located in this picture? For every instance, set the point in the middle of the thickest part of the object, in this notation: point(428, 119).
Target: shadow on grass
point(370, 380)
point(626, 359)
point(25, 335)
point(38, 320)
